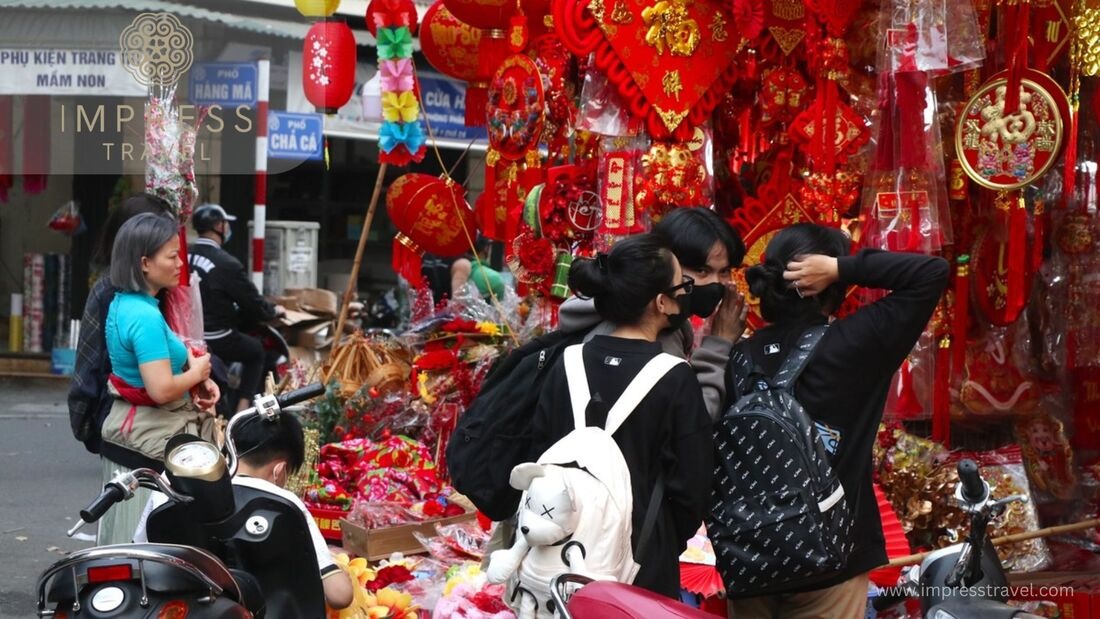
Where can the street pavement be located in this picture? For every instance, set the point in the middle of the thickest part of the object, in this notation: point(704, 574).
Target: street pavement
point(46, 477)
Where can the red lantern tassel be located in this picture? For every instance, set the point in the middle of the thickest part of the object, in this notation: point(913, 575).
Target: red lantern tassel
point(408, 259)
point(491, 52)
point(1017, 257)
point(908, 405)
point(941, 397)
point(477, 101)
point(961, 325)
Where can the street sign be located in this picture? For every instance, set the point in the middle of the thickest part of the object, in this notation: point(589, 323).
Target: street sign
point(295, 136)
point(222, 83)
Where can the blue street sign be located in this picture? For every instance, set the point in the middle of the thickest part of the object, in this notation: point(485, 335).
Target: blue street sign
point(444, 101)
point(295, 136)
point(223, 83)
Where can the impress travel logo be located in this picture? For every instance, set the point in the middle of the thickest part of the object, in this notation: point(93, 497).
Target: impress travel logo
point(157, 65)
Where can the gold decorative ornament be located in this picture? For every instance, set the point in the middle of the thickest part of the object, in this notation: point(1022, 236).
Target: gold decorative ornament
point(670, 28)
point(671, 84)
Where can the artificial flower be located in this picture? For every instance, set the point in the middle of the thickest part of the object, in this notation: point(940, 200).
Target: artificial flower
point(390, 604)
point(400, 107)
point(394, 43)
point(397, 75)
point(394, 135)
point(488, 328)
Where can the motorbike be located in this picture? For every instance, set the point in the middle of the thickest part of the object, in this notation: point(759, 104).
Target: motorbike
point(217, 550)
point(965, 580)
point(228, 376)
point(579, 597)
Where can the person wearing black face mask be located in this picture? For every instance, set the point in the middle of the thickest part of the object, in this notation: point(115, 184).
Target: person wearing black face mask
point(640, 289)
point(708, 249)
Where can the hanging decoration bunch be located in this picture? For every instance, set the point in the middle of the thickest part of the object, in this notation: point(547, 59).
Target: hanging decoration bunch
point(401, 138)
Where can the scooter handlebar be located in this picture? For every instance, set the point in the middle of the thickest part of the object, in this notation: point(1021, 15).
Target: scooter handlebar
point(301, 395)
point(973, 488)
point(111, 494)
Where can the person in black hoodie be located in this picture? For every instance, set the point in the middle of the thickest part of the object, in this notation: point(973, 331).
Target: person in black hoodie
point(801, 283)
point(229, 299)
point(640, 288)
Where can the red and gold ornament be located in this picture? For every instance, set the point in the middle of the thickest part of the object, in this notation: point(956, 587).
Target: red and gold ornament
point(431, 215)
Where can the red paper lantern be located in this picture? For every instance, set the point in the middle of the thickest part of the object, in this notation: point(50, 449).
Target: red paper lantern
point(432, 213)
point(328, 65)
point(450, 45)
point(484, 14)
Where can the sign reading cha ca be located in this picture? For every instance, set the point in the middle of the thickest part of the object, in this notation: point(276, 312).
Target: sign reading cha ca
point(295, 136)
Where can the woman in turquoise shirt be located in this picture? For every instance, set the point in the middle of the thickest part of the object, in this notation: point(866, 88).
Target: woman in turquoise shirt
point(146, 356)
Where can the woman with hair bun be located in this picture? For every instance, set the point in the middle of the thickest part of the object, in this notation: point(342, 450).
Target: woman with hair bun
point(843, 388)
point(640, 288)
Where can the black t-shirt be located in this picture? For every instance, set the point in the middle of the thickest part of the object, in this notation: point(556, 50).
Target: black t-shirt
point(845, 383)
point(669, 432)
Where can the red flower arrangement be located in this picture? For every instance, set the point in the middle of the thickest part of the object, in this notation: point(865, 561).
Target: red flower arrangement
point(389, 575)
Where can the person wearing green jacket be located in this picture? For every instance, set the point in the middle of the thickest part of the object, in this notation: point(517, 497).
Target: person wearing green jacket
point(475, 269)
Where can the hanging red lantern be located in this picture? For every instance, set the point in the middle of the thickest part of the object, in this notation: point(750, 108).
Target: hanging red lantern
point(328, 65)
point(431, 215)
point(484, 14)
point(454, 48)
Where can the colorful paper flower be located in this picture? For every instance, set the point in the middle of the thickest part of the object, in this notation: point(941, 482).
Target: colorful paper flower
point(397, 75)
point(393, 135)
point(394, 43)
point(400, 106)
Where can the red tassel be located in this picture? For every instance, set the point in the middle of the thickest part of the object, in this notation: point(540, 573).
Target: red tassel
point(408, 259)
point(1016, 22)
point(6, 144)
point(36, 143)
point(941, 397)
point(1038, 243)
point(477, 102)
point(908, 405)
point(961, 326)
point(1017, 257)
point(185, 271)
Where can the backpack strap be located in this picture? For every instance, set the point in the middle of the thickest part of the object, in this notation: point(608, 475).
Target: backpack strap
point(639, 388)
point(651, 513)
point(635, 392)
point(577, 379)
point(796, 360)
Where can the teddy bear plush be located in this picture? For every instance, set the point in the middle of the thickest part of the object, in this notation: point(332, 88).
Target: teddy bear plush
point(568, 521)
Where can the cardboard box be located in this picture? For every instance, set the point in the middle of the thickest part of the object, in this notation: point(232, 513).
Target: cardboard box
point(317, 301)
point(377, 544)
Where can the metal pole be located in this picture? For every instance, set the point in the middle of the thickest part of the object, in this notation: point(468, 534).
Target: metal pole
point(259, 210)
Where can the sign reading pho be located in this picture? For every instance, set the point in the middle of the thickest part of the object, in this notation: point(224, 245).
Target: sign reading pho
point(65, 72)
point(295, 136)
point(226, 84)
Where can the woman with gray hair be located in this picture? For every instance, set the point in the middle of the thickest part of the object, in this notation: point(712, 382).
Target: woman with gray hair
point(151, 368)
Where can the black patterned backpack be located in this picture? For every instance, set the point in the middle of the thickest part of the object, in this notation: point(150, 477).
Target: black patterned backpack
point(779, 519)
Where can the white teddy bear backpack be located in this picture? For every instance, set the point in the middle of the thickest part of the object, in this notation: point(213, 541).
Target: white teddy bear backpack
point(576, 510)
point(594, 450)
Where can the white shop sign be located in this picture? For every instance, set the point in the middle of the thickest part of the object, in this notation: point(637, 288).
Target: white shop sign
point(65, 72)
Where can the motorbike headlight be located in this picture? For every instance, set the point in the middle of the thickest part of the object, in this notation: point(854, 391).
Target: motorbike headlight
point(942, 614)
point(197, 459)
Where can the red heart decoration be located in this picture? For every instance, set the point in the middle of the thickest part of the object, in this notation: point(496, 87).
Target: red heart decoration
point(671, 61)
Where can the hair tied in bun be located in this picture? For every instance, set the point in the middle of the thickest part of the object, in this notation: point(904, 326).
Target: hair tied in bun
point(601, 262)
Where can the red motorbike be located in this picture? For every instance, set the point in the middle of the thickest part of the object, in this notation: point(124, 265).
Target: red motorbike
point(600, 599)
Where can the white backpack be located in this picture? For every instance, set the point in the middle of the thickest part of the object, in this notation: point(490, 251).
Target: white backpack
point(594, 450)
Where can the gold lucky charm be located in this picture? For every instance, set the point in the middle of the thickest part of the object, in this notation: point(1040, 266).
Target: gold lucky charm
point(670, 27)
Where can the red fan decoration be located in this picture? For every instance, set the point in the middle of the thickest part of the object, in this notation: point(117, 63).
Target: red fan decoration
point(700, 579)
point(897, 545)
point(328, 65)
point(390, 14)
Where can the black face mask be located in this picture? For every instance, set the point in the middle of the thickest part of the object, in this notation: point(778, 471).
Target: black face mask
point(705, 299)
point(677, 320)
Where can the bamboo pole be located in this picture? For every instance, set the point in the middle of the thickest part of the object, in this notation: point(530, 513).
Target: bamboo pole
point(1010, 539)
point(354, 277)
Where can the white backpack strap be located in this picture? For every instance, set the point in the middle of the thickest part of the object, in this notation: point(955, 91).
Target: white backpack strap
point(579, 395)
point(638, 389)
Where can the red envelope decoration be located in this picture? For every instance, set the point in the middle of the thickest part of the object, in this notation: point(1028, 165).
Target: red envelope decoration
point(671, 60)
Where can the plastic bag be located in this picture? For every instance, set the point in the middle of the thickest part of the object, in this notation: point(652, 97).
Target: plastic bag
point(379, 514)
point(170, 155)
point(67, 219)
point(937, 36)
point(602, 110)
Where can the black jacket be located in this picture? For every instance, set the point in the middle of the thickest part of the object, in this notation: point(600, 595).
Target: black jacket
point(668, 433)
point(89, 400)
point(845, 383)
point(229, 298)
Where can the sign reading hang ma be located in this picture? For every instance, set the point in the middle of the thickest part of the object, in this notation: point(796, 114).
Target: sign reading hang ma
point(226, 84)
